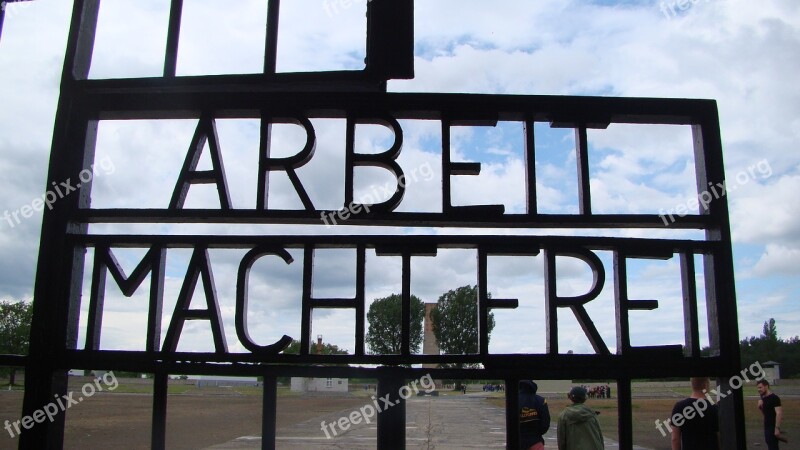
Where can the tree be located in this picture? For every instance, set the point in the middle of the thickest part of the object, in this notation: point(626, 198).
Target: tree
point(770, 331)
point(769, 347)
point(385, 325)
point(327, 349)
point(15, 330)
point(455, 321)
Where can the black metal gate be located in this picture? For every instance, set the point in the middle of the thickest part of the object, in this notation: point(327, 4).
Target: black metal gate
point(358, 97)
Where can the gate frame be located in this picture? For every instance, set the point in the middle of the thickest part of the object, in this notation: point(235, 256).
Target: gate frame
point(64, 239)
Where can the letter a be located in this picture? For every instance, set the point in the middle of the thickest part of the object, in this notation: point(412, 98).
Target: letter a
point(206, 132)
point(198, 265)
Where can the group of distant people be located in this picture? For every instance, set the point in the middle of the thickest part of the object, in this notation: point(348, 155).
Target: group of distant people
point(578, 428)
point(493, 388)
point(601, 391)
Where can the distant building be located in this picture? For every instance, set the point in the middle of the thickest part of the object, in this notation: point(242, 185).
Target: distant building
point(86, 373)
point(218, 380)
point(429, 344)
point(330, 385)
point(772, 371)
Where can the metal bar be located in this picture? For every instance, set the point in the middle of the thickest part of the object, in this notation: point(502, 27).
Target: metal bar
point(264, 150)
point(621, 302)
point(271, 44)
point(719, 275)
point(512, 413)
point(173, 38)
point(158, 437)
point(349, 158)
point(97, 296)
point(624, 413)
point(306, 313)
point(245, 96)
point(60, 267)
point(405, 309)
point(334, 303)
point(731, 411)
point(690, 317)
point(530, 172)
point(157, 279)
point(582, 157)
point(483, 304)
point(391, 420)
point(551, 307)
point(390, 39)
point(269, 412)
point(496, 366)
point(447, 201)
point(361, 262)
point(466, 218)
point(422, 245)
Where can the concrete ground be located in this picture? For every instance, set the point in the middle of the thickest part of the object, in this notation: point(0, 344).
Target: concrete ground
point(431, 423)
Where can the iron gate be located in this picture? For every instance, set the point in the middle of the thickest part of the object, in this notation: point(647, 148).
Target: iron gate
point(358, 97)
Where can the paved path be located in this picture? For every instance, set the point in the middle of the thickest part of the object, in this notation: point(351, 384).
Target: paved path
point(441, 423)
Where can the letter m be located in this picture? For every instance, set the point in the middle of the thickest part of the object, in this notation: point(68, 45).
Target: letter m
point(104, 262)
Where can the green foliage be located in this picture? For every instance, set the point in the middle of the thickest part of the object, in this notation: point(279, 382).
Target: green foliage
point(385, 325)
point(15, 331)
point(770, 332)
point(455, 321)
point(768, 347)
point(327, 349)
point(294, 349)
point(15, 327)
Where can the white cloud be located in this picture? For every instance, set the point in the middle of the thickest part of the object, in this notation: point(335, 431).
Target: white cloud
point(744, 54)
point(778, 260)
point(766, 210)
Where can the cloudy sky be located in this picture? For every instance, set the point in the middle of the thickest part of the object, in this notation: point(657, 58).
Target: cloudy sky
point(743, 54)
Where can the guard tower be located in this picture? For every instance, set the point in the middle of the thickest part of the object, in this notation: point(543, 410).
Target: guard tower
point(429, 344)
point(358, 97)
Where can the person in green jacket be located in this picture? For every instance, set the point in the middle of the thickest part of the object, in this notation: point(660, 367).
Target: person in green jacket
point(578, 428)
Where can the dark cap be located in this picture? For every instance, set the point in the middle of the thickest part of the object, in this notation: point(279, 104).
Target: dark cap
point(577, 393)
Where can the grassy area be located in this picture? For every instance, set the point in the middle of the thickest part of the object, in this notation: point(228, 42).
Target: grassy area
point(651, 402)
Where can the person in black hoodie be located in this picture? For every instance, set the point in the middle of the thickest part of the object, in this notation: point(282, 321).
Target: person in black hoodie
point(534, 417)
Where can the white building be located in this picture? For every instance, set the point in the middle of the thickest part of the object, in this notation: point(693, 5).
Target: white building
point(220, 380)
point(772, 371)
point(333, 385)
